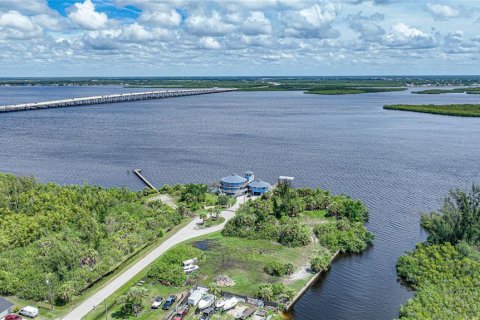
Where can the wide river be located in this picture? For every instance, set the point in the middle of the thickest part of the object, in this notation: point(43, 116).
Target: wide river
point(398, 163)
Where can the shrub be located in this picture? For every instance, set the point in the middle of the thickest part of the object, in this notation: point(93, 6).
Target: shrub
point(278, 269)
point(294, 234)
point(167, 274)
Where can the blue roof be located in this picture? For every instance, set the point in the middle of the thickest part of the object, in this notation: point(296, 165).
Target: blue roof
point(234, 178)
point(259, 184)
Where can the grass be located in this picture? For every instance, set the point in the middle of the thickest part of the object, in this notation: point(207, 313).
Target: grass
point(460, 110)
point(211, 222)
point(244, 260)
point(474, 90)
point(241, 259)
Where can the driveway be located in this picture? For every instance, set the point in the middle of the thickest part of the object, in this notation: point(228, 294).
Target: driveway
point(187, 232)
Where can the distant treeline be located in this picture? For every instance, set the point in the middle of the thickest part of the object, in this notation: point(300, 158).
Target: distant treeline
point(474, 90)
point(461, 110)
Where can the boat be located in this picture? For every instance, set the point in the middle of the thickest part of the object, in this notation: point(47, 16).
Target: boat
point(206, 301)
point(220, 303)
point(230, 303)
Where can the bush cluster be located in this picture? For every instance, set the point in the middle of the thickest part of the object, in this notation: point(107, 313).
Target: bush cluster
point(278, 269)
point(168, 268)
point(70, 235)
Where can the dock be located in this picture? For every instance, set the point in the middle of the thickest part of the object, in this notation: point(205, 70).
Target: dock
point(113, 98)
point(139, 174)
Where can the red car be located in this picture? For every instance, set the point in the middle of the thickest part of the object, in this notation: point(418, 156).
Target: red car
point(13, 317)
point(181, 314)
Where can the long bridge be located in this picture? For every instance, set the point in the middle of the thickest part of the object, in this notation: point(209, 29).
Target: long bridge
point(113, 98)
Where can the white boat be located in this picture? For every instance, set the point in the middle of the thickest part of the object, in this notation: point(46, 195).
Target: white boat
point(206, 301)
point(230, 303)
point(220, 303)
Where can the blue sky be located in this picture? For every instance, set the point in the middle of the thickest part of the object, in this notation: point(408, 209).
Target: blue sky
point(242, 37)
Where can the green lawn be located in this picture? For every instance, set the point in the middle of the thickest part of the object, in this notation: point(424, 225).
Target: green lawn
point(461, 110)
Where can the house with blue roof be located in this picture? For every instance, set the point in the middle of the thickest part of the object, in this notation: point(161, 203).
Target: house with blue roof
point(236, 185)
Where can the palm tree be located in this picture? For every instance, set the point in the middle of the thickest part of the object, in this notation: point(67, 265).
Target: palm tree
point(203, 216)
point(214, 289)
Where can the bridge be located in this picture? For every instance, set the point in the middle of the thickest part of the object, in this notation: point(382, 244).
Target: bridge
point(113, 98)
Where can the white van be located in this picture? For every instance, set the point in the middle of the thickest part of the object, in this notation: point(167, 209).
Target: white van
point(30, 312)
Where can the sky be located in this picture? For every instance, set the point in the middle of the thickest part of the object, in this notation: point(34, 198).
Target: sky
point(41, 38)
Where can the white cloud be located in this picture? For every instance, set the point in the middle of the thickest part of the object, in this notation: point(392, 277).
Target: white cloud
point(208, 25)
point(403, 35)
point(14, 25)
point(163, 17)
point(312, 22)
point(257, 23)
point(442, 11)
point(209, 43)
point(84, 15)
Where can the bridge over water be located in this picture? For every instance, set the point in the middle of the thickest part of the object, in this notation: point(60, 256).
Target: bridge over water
point(113, 98)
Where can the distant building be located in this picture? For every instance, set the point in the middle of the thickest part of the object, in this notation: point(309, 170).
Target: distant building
point(236, 185)
point(259, 187)
point(5, 307)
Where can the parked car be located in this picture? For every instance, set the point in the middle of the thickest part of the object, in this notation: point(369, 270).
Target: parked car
point(191, 268)
point(157, 302)
point(181, 314)
point(169, 302)
point(28, 311)
point(207, 313)
point(13, 317)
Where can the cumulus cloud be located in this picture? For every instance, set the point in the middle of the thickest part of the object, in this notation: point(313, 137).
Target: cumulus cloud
point(442, 11)
point(16, 26)
point(367, 26)
point(312, 22)
point(208, 25)
point(403, 35)
point(85, 15)
point(162, 17)
point(209, 43)
point(257, 23)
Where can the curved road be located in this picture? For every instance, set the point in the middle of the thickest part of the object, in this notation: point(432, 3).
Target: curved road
point(188, 232)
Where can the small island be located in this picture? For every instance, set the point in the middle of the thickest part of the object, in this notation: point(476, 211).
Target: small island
point(459, 110)
point(473, 90)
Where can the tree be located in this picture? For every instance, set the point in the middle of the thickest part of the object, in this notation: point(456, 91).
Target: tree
point(132, 301)
point(223, 200)
point(457, 220)
point(203, 216)
point(182, 210)
point(214, 288)
point(265, 292)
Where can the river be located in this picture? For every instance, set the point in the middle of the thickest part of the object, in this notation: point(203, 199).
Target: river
point(398, 163)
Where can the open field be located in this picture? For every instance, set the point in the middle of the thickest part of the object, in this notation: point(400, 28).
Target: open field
point(460, 110)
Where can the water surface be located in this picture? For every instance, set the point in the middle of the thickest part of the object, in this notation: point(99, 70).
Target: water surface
point(398, 163)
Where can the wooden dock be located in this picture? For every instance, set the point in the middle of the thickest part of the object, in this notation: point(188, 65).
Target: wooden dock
point(139, 174)
point(113, 98)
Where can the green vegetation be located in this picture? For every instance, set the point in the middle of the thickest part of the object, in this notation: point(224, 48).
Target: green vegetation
point(71, 236)
point(338, 90)
point(461, 110)
point(445, 271)
point(474, 90)
point(168, 268)
point(265, 257)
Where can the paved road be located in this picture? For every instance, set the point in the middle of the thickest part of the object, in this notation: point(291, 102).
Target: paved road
point(188, 232)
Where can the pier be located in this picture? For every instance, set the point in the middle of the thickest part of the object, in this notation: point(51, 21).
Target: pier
point(113, 98)
point(139, 174)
